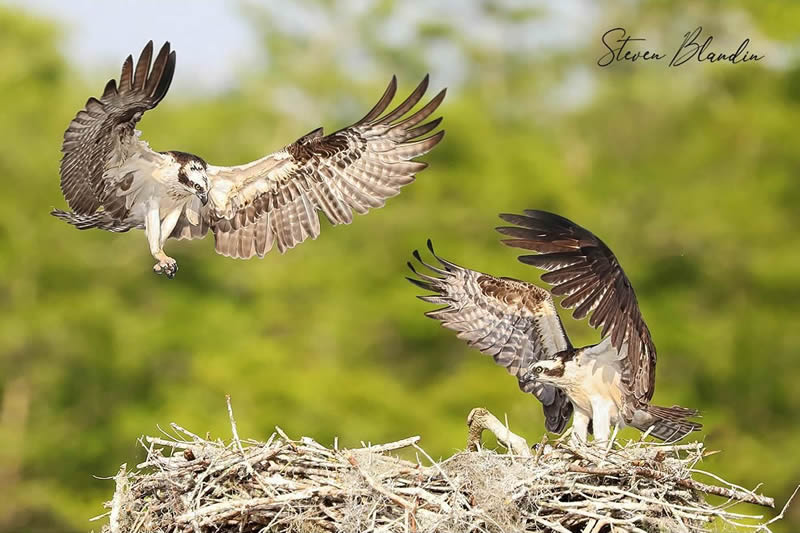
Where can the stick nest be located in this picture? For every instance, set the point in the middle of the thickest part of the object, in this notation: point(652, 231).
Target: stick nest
point(192, 484)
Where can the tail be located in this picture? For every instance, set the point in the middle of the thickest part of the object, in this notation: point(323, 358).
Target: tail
point(669, 424)
point(99, 220)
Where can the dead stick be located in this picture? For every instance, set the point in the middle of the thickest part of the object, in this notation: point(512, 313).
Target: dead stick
point(233, 507)
point(689, 483)
point(540, 449)
point(233, 425)
point(783, 511)
point(121, 480)
point(235, 432)
point(380, 448)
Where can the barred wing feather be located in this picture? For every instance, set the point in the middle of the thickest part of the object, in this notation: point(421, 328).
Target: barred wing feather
point(275, 199)
point(513, 321)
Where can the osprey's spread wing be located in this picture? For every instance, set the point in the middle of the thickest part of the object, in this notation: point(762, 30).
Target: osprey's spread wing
point(513, 321)
point(276, 198)
point(97, 130)
point(584, 271)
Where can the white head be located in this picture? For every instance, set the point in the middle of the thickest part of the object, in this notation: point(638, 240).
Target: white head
point(549, 370)
point(192, 177)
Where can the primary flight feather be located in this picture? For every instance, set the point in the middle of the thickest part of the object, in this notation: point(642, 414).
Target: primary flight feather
point(113, 180)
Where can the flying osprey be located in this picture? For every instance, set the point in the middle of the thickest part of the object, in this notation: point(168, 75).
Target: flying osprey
point(605, 384)
point(114, 181)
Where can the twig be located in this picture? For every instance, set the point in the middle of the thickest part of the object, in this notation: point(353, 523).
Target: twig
point(765, 527)
point(233, 507)
point(233, 425)
point(378, 487)
point(540, 449)
point(176, 427)
point(689, 483)
point(547, 523)
point(237, 440)
point(121, 481)
point(381, 448)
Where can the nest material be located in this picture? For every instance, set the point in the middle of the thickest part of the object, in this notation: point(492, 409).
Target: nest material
point(192, 484)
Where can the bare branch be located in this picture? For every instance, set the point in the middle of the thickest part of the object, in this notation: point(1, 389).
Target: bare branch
point(121, 481)
point(390, 446)
point(738, 495)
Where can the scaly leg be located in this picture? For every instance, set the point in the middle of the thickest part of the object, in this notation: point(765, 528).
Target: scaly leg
point(152, 228)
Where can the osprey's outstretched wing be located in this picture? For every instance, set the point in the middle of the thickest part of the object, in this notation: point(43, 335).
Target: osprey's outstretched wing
point(584, 271)
point(97, 130)
point(276, 198)
point(513, 321)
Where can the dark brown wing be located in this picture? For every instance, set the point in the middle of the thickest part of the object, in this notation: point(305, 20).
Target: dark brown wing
point(276, 198)
point(96, 129)
point(513, 321)
point(584, 271)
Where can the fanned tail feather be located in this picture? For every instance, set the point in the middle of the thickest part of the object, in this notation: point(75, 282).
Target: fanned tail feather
point(98, 220)
point(670, 424)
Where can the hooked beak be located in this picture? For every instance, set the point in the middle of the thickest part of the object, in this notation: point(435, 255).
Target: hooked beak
point(203, 196)
point(528, 377)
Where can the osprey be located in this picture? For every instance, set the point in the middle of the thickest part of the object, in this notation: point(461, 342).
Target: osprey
point(113, 180)
point(605, 384)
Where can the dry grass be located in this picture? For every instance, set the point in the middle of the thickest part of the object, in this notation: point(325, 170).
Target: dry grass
point(192, 484)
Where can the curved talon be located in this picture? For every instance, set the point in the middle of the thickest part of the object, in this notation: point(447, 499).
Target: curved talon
point(168, 268)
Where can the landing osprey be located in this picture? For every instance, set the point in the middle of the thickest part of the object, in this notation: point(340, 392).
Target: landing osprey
point(605, 384)
point(112, 180)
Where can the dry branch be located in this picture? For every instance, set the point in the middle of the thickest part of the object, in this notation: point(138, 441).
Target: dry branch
point(190, 484)
point(738, 495)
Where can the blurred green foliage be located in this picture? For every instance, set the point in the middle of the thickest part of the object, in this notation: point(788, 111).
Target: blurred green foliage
point(689, 174)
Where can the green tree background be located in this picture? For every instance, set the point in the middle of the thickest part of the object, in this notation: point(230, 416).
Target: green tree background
point(689, 174)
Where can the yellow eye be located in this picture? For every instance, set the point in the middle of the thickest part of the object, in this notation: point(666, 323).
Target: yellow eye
point(196, 187)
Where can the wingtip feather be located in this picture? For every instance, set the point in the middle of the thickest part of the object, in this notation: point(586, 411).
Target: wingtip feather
point(408, 103)
point(428, 286)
